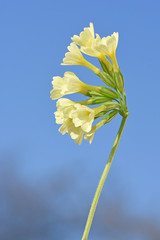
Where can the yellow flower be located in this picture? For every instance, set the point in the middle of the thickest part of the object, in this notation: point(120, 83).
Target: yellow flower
point(86, 40)
point(70, 83)
point(108, 45)
point(75, 57)
point(81, 115)
point(65, 107)
point(89, 45)
point(76, 119)
point(76, 133)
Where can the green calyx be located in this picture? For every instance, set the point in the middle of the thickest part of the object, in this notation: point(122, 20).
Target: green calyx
point(102, 95)
point(123, 110)
point(107, 79)
point(110, 116)
point(103, 91)
point(108, 92)
point(115, 81)
point(98, 99)
point(105, 108)
point(119, 80)
point(112, 96)
point(100, 114)
point(104, 67)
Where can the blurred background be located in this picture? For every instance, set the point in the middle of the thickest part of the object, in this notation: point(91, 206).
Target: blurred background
point(47, 182)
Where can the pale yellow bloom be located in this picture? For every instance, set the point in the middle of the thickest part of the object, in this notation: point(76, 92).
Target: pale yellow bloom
point(76, 133)
point(89, 45)
point(87, 41)
point(74, 56)
point(81, 115)
point(76, 119)
point(65, 107)
point(70, 83)
point(108, 45)
point(92, 51)
point(85, 38)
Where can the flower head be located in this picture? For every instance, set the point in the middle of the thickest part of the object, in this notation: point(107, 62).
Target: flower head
point(76, 118)
point(70, 83)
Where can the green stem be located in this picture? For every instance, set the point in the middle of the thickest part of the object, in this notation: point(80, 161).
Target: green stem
point(102, 180)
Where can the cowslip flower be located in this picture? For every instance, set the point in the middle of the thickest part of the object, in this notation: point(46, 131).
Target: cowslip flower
point(107, 46)
point(76, 119)
point(89, 45)
point(75, 57)
point(103, 103)
point(85, 38)
point(81, 115)
point(76, 133)
point(87, 41)
point(70, 83)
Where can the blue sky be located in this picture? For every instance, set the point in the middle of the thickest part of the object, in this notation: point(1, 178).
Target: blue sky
point(34, 39)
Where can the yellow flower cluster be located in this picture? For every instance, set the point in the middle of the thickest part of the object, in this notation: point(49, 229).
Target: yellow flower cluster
point(76, 118)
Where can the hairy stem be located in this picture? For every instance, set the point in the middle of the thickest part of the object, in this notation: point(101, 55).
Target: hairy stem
point(102, 180)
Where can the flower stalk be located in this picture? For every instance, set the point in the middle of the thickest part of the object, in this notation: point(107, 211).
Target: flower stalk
point(102, 179)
